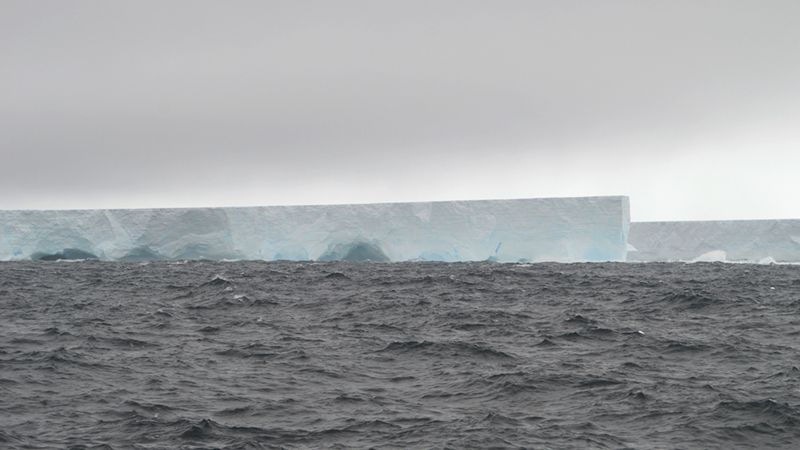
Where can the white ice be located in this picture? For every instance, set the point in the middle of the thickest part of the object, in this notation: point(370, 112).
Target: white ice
point(550, 229)
point(753, 241)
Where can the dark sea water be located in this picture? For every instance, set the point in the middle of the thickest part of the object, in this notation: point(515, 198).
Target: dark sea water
point(405, 355)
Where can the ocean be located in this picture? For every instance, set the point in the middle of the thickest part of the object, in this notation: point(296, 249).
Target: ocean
point(263, 355)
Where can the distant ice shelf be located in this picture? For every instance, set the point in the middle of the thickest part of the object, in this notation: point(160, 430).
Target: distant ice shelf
point(754, 241)
point(546, 229)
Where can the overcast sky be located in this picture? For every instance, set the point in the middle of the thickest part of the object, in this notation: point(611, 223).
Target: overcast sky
point(692, 108)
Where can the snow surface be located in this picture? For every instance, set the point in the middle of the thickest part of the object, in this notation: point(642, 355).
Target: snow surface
point(550, 229)
point(756, 241)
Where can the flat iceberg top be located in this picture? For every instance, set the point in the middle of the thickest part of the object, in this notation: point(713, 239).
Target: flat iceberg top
point(546, 229)
point(716, 240)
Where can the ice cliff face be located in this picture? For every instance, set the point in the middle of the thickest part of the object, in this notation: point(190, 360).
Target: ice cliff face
point(557, 229)
point(734, 240)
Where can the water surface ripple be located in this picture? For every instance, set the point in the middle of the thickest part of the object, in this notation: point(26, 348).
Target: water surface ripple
point(256, 355)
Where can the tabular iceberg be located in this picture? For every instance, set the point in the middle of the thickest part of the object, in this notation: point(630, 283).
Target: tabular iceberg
point(549, 229)
point(731, 240)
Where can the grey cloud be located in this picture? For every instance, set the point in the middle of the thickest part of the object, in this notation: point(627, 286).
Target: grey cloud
point(155, 100)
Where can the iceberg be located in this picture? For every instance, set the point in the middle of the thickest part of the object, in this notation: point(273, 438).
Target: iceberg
point(547, 229)
point(752, 241)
